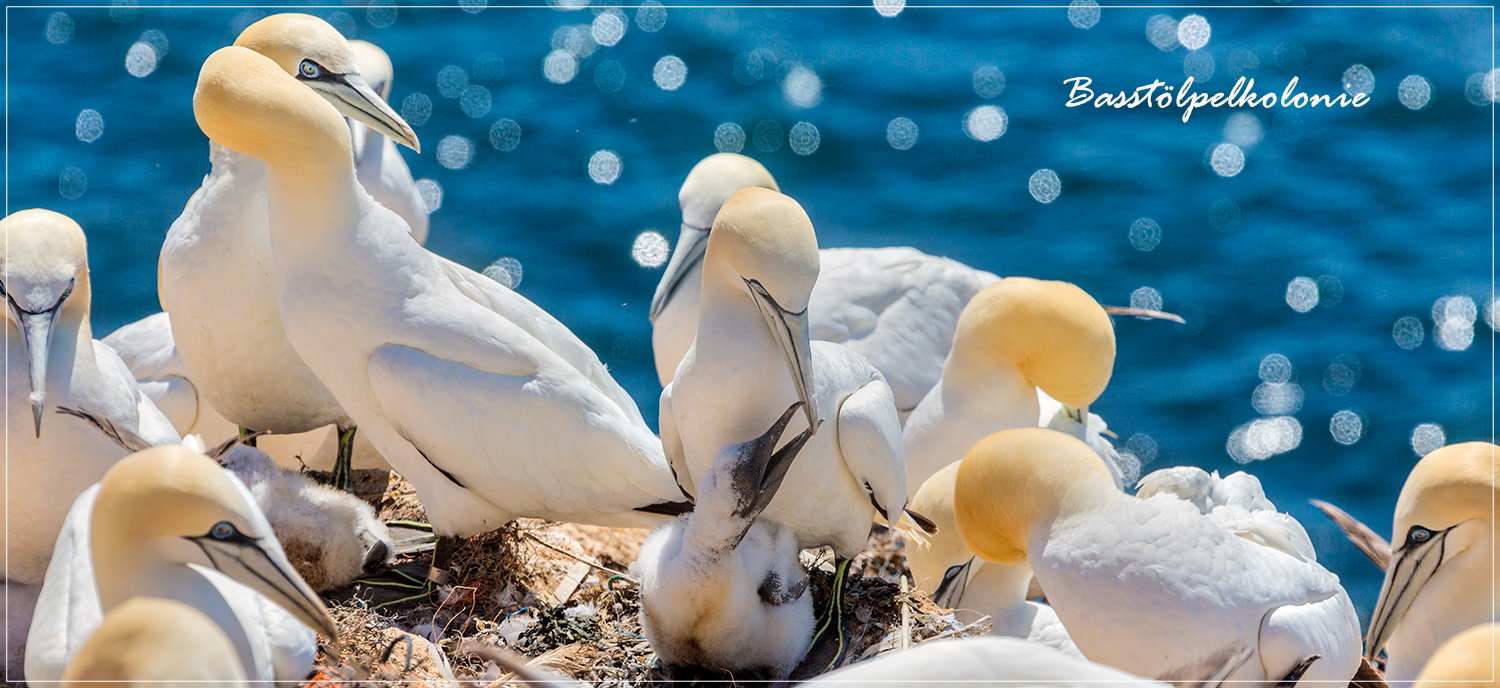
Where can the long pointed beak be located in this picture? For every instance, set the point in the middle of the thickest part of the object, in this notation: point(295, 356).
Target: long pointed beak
point(1411, 567)
point(356, 100)
point(1079, 415)
point(955, 580)
point(37, 332)
point(1144, 313)
point(791, 333)
point(266, 570)
point(692, 242)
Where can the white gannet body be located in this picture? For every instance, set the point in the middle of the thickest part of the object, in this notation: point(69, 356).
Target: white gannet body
point(1235, 502)
point(1466, 660)
point(897, 307)
point(973, 662)
point(487, 404)
point(157, 642)
point(1019, 343)
point(954, 578)
point(215, 276)
point(377, 159)
point(721, 589)
point(167, 522)
point(1439, 580)
point(52, 361)
point(752, 357)
point(1149, 586)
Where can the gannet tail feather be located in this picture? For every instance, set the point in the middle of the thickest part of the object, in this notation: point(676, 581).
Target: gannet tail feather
point(121, 436)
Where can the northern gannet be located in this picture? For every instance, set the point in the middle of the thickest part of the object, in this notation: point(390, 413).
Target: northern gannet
point(1236, 502)
point(1466, 660)
point(215, 274)
point(157, 642)
point(167, 522)
point(897, 307)
point(377, 161)
point(954, 578)
point(720, 589)
point(1149, 586)
point(1439, 580)
point(488, 405)
point(52, 360)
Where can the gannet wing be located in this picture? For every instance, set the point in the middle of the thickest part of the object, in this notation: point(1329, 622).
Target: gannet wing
point(143, 418)
point(68, 608)
point(870, 442)
point(577, 456)
point(671, 444)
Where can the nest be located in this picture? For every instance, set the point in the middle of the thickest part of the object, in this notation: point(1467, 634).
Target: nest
point(559, 595)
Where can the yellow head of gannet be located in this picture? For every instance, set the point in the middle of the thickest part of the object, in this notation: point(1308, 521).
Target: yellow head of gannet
point(150, 641)
point(44, 278)
point(1445, 529)
point(768, 241)
point(1016, 479)
point(1467, 660)
point(170, 506)
point(1055, 334)
point(314, 52)
point(710, 183)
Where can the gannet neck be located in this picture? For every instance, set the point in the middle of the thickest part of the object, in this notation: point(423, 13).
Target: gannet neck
point(997, 391)
point(1053, 332)
point(1013, 485)
point(713, 180)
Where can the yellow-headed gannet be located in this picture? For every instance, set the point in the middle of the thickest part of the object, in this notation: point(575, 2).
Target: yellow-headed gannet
point(488, 405)
point(377, 161)
point(52, 360)
point(895, 306)
point(167, 522)
point(1150, 586)
point(720, 589)
point(1439, 580)
point(150, 641)
point(214, 277)
point(1466, 660)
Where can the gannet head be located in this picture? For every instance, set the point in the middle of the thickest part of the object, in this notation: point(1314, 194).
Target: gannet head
point(768, 240)
point(940, 569)
point(1444, 513)
point(375, 66)
point(314, 52)
point(154, 641)
point(711, 182)
point(1057, 335)
point(248, 104)
point(1016, 480)
point(44, 277)
point(173, 506)
point(1467, 660)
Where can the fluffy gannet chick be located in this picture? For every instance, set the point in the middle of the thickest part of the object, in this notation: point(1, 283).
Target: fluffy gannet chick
point(377, 161)
point(721, 589)
point(1439, 579)
point(1148, 585)
point(1466, 660)
point(215, 274)
point(954, 578)
point(167, 522)
point(149, 641)
point(52, 360)
point(488, 405)
point(895, 306)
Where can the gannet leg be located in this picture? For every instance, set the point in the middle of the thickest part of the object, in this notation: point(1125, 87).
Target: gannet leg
point(343, 471)
point(442, 558)
point(247, 437)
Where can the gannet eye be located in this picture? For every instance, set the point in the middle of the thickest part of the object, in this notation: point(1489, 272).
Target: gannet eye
point(310, 69)
point(1419, 534)
point(223, 530)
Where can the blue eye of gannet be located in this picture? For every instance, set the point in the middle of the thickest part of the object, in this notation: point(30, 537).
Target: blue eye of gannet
point(223, 530)
point(1418, 534)
point(310, 70)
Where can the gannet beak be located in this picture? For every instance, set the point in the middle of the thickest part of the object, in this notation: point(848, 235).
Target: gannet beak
point(951, 590)
point(37, 331)
point(791, 332)
point(1079, 415)
point(1144, 313)
point(1411, 567)
point(267, 571)
point(356, 100)
point(692, 242)
point(760, 468)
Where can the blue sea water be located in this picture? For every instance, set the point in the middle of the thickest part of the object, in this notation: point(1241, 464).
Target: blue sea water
point(1391, 207)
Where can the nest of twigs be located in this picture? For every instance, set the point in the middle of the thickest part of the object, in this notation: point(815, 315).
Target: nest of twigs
point(560, 595)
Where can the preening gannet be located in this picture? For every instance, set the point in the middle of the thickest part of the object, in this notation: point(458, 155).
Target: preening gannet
point(1439, 580)
point(953, 577)
point(214, 277)
point(1150, 586)
point(895, 306)
point(720, 589)
point(1235, 502)
point(377, 160)
point(52, 360)
point(488, 405)
point(167, 522)
point(149, 641)
point(1466, 660)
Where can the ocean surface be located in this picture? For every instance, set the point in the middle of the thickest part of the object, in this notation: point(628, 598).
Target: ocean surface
point(1296, 254)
